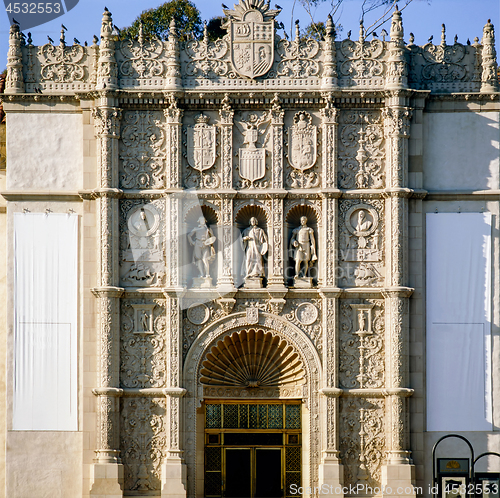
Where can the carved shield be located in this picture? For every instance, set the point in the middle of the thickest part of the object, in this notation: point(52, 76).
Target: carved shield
point(252, 43)
point(252, 164)
point(302, 142)
point(201, 141)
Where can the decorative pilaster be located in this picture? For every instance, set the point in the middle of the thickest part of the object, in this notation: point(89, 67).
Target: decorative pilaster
point(174, 476)
point(397, 70)
point(329, 76)
point(226, 124)
point(489, 82)
point(173, 73)
point(331, 470)
point(173, 245)
point(107, 71)
point(14, 83)
point(277, 115)
point(173, 116)
point(329, 117)
point(276, 265)
point(225, 274)
point(107, 472)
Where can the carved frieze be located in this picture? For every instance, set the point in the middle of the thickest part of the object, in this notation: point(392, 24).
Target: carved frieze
point(142, 443)
point(142, 340)
point(142, 243)
point(362, 440)
point(62, 64)
point(361, 227)
point(362, 349)
point(142, 150)
point(361, 147)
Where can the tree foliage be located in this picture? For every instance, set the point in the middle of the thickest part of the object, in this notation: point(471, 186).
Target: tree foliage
point(156, 22)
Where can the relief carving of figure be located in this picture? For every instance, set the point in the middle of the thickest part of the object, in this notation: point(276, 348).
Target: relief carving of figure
point(363, 224)
point(202, 239)
point(255, 244)
point(303, 245)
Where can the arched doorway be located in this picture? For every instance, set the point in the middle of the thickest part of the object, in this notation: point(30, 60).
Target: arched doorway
point(253, 446)
point(236, 370)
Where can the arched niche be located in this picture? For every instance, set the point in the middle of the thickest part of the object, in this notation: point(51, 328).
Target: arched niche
point(292, 221)
point(306, 386)
point(190, 222)
point(242, 221)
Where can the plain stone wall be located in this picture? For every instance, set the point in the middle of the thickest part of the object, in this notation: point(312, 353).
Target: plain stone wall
point(44, 151)
point(461, 150)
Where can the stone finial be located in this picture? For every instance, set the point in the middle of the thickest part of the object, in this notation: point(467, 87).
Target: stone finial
point(107, 72)
point(14, 82)
point(297, 30)
point(397, 74)
point(361, 31)
point(173, 58)
point(329, 81)
point(397, 32)
point(443, 35)
point(489, 82)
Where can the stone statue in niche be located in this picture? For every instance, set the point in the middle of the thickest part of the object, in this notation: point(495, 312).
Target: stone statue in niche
point(202, 239)
point(303, 246)
point(255, 245)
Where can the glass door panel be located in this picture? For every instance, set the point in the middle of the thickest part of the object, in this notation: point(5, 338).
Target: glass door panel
point(268, 473)
point(238, 473)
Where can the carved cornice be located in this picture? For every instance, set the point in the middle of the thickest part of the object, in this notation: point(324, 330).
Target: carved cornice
point(107, 291)
point(389, 292)
point(108, 391)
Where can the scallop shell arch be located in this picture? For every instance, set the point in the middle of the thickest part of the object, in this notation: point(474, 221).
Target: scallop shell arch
point(277, 326)
point(252, 358)
point(252, 208)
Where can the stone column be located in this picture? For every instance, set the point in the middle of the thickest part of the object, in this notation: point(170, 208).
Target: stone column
point(173, 469)
point(277, 115)
point(489, 82)
point(331, 471)
point(107, 471)
point(398, 472)
point(226, 124)
point(277, 251)
point(14, 82)
point(225, 280)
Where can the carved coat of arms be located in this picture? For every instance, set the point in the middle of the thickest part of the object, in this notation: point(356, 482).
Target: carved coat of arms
point(302, 142)
point(252, 159)
point(201, 142)
point(252, 37)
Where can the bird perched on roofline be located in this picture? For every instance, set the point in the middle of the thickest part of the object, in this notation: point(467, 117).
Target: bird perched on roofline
point(64, 27)
point(430, 39)
point(15, 22)
point(77, 42)
point(50, 39)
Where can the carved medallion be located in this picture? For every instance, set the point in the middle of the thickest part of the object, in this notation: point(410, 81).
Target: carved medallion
point(306, 313)
point(143, 221)
point(302, 139)
point(198, 313)
point(362, 221)
point(201, 143)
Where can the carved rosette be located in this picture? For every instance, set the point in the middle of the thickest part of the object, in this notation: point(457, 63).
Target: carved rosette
point(14, 82)
point(173, 125)
point(277, 115)
point(329, 117)
point(226, 124)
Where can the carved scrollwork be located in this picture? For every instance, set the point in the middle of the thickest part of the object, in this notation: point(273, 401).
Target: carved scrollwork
point(142, 150)
point(206, 58)
point(142, 58)
point(362, 59)
point(362, 441)
point(297, 58)
point(443, 63)
point(62, 64)
point(142, 442)
point(361, 150)
point(142, 355)
point(362, 344)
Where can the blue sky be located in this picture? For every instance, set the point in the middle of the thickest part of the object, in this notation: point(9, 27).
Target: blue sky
point(422, 17)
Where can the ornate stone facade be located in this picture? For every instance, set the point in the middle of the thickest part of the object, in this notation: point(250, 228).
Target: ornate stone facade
point(250, 127)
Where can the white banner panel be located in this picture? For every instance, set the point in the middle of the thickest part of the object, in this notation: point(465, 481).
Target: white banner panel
point(458, 303)
point(45, 322)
